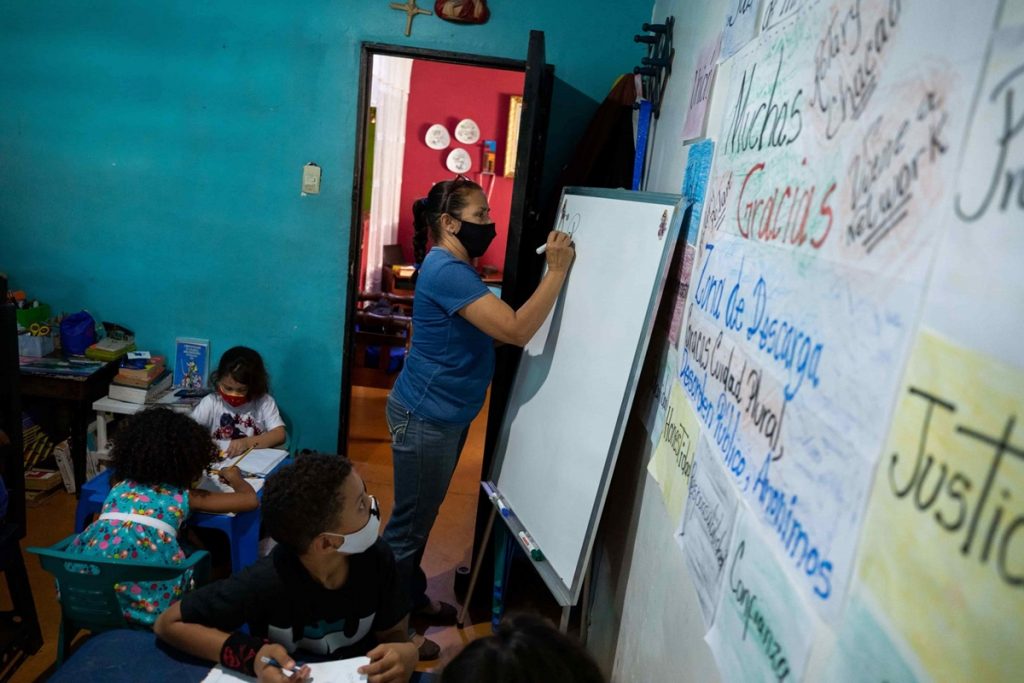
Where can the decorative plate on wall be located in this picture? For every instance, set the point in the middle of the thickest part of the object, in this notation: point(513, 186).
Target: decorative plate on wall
point(459, 161)
point(437, 137)
point(467, 132)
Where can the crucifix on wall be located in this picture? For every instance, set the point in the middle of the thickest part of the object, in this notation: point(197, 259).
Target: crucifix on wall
point(411, 10)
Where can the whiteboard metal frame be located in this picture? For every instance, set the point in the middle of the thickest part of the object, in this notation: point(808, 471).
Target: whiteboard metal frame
point(568, 595)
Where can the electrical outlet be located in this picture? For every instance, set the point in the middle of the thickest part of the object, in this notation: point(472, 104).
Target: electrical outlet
point(311, 179)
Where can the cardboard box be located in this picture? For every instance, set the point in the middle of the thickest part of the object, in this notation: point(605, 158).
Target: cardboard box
point(36, 347)
point(39, 479)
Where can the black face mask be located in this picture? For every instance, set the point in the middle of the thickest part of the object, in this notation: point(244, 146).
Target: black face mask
point(476, 237)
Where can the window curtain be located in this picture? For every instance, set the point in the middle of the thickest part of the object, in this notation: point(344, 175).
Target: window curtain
point(389, 93)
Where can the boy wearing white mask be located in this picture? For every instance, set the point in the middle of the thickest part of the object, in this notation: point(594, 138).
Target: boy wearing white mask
point(327, 591)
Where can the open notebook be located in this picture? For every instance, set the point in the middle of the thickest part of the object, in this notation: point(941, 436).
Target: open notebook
point(257, 462)
point(340, 671)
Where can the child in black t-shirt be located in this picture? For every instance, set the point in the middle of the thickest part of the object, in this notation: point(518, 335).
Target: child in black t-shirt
point(328, 589)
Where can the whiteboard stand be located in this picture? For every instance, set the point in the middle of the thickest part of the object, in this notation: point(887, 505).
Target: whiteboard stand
point(580, 372)
point(502, 563)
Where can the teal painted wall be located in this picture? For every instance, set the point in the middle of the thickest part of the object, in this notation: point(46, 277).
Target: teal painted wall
point(151, 155)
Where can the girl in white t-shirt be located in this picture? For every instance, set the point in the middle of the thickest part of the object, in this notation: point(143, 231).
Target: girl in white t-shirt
point(242, 410)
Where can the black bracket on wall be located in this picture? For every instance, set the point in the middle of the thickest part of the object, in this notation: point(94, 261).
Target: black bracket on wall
point(656, 67)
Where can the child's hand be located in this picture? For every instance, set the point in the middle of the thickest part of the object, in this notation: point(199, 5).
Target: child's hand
point(237, 447)
point(231, 476)
point(390, 663)
point(268, 673)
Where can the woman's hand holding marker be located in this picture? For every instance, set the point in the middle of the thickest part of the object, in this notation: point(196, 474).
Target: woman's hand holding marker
point(559, 250)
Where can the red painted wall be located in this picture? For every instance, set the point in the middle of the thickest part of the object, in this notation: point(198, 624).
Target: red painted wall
point(446, 94)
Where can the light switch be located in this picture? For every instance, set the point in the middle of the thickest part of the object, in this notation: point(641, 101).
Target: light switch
point(311, 179)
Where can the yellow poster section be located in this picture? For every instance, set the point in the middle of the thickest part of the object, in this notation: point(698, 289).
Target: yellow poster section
point(943, 550)
point(672, 462)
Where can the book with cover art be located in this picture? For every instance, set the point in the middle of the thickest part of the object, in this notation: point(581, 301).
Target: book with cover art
point(191, 362)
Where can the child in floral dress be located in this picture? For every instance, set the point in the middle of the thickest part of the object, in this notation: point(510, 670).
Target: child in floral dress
point(158, 456)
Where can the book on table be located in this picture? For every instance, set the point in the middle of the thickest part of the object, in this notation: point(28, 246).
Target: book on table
point(134, 394)
point(140, 374)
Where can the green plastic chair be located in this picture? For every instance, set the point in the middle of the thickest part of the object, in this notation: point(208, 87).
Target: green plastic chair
point(86, 586)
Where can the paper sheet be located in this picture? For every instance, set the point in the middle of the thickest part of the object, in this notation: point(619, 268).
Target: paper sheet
point(340, 671)
point(740, 26)
point(763, 628)
point(705, 533)
point(700, 94)
point(943, 549)
point(673, 458)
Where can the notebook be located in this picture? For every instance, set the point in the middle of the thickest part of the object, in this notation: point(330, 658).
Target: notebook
point(258, 462)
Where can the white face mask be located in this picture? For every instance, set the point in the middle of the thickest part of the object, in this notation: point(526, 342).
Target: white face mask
point(360, 541)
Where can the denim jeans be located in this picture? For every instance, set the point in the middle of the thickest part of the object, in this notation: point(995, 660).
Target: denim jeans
point(425, 454)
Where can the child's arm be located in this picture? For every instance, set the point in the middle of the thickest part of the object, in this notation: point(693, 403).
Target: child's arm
point(395, 658)
point(274, 437)
point(243, 498)
point(207, 643)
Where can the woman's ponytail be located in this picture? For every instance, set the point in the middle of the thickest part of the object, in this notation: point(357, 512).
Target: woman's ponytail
point(420, 228)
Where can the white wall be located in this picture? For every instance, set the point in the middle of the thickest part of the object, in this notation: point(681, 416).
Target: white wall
point(645, 620)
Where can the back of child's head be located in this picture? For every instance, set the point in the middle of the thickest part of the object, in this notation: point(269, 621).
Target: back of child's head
point(161, 447)
point(524, 649)
point(303, 499)
point(245, 366)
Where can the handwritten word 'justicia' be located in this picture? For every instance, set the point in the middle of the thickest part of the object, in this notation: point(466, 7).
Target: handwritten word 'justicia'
point(1011, 180)
point(981, 512)
point(768, 124)
point(753, 614)
point(846, 62)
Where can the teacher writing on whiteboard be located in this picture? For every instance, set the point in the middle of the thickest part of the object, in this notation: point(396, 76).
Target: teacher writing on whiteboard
point(456, 322)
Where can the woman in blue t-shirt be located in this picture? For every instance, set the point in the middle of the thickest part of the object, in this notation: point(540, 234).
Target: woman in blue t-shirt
point(456, 322)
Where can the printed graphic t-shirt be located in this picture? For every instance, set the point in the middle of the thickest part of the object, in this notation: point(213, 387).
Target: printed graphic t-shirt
point(279, 600)
point(227, 422)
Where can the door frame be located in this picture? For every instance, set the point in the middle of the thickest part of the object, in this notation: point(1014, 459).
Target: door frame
point(366, 52)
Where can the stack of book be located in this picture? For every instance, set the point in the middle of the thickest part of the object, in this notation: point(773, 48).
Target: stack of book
point(140, 382)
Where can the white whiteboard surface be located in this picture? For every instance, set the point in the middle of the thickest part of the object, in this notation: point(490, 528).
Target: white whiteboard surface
point(575, 382)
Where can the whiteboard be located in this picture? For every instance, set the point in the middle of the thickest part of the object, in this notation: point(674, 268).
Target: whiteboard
point(574, 386)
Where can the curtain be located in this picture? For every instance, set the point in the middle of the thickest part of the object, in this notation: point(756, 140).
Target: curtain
point(389, 93)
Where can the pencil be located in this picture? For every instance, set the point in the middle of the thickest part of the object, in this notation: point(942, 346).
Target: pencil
point(242, 457)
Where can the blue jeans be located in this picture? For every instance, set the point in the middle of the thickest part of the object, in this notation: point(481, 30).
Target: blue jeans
point(425, 454)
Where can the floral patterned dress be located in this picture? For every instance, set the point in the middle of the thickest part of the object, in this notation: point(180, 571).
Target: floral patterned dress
point(140, 523)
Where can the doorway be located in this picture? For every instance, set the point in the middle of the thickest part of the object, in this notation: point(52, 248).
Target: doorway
point(396, 163)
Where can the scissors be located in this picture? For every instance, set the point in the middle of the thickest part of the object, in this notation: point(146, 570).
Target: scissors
point(39, 330)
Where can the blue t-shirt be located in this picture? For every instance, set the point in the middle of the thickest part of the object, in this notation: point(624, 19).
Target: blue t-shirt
point(451, 362)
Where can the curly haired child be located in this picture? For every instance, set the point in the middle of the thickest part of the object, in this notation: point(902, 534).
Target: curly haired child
point(242, 411)
point(158, 456)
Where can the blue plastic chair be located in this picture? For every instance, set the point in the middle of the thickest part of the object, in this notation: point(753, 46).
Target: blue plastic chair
point(88, 599)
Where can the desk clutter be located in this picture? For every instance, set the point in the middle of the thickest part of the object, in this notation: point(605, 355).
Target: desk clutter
point(141, 378)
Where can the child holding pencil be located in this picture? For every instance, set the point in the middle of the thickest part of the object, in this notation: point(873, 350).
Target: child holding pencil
point(329, 590)
point(241, 411)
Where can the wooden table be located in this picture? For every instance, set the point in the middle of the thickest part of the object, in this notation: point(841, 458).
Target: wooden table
point(78, 393)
